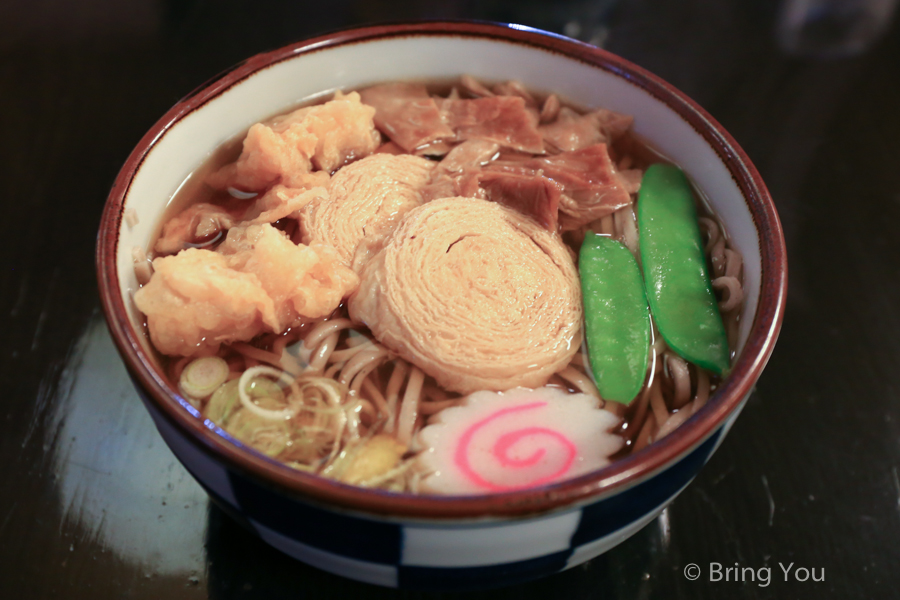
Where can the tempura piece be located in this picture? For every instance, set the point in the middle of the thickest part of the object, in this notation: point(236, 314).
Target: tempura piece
point(284, 150)
point(475, 294)
point(270, 155)
point(344, 129)
point(195, 301)
point(257, 281)
point(304, 282)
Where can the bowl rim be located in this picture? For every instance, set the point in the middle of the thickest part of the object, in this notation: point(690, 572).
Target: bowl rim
point(623, 473)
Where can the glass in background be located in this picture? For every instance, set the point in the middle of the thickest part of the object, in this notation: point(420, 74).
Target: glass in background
point(832, 28)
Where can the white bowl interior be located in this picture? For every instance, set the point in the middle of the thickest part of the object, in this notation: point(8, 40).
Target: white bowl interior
point(187, 144)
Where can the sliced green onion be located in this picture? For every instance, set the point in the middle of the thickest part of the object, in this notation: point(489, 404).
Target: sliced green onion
point(203, 376)
point(265, 413)
point(260, 387)
point(265, 435)
point(223, 403)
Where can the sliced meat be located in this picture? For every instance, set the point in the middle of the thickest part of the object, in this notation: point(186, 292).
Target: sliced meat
point(507, 155)
point(474, 294)
point(418, 123)
point(458, 173)
point(406, 114)
point(435, 149)
point(583, 184)
point(532, 195)
point(447, 185)
point(470, 154)
point(592, 187)
point(366, 199)
point(573, 131)
point(441, 185)
point(501, 119)
point(468, 183)
point(286, 149)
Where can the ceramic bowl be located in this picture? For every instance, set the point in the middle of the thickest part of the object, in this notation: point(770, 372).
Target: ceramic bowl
point(440, 542)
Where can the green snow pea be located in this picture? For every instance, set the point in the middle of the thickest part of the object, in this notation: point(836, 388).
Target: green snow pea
point(617, 322)
point(678, 288)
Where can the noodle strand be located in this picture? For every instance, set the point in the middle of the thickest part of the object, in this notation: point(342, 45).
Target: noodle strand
point(406, 421)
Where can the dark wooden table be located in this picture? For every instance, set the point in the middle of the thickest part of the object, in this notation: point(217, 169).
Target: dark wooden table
point(93, 505)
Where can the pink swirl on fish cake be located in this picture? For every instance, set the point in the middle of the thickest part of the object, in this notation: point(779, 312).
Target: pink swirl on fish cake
point(502, 446)
point(500, 441)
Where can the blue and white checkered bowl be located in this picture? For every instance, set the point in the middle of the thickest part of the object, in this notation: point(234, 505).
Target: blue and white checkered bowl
point(420, 541)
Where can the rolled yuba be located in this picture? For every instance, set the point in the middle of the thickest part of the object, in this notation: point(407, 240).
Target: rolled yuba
point(365, 200)
point(475, 294)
